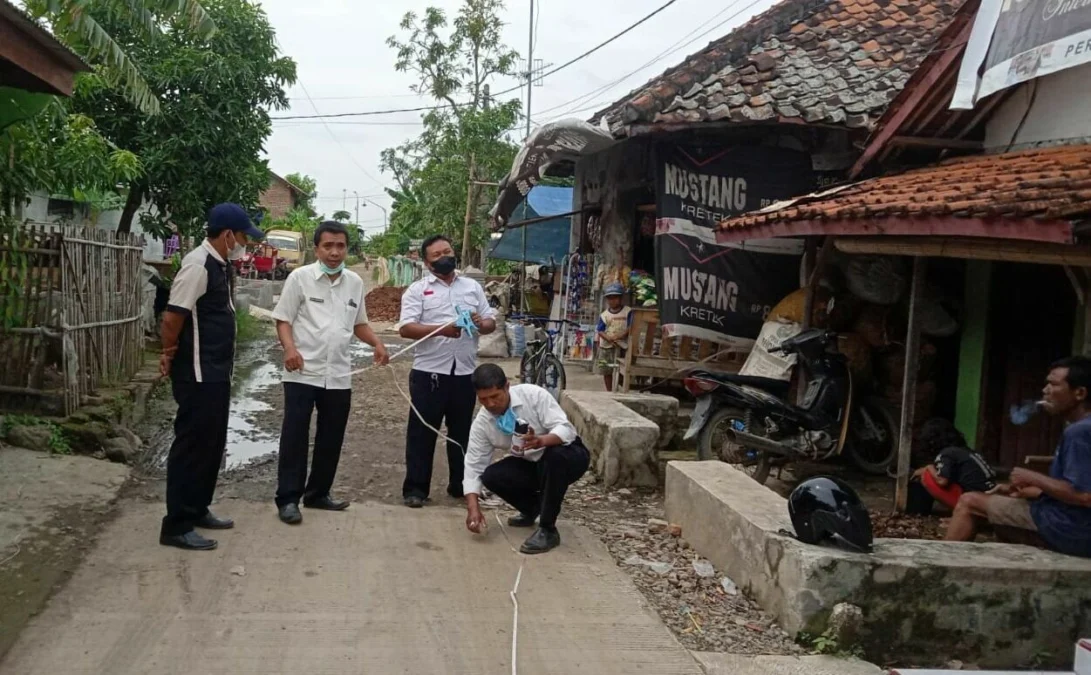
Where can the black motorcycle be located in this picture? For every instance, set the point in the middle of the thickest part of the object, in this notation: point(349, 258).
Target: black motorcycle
point(747, 421)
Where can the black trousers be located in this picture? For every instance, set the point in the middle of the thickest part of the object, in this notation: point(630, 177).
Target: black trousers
point(300, 400)
point(439, 398)
point(538, 488)
point(200, 439)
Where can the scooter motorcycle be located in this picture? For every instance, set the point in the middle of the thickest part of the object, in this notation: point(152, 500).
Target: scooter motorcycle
point(281, 271)
point(748, 422)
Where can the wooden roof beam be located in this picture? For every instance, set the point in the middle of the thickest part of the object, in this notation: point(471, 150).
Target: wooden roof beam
point(1003, 250)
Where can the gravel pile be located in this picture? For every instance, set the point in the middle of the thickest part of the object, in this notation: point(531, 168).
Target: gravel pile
point(384, 303)
point(885, 524)
point(702, 607)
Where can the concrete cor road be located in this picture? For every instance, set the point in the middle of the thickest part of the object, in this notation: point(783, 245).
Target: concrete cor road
point(376, 589)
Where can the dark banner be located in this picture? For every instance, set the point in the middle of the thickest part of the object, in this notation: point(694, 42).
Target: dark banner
point(713, 291)
point(1033, 38)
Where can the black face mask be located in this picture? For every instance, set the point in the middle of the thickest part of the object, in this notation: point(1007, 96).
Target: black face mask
point(444, 265)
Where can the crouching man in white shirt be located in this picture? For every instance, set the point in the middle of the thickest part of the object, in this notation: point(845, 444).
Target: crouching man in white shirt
point(534, 478)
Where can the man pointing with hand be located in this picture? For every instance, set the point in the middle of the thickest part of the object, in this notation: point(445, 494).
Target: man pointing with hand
point(319, 312)
point(540, 465)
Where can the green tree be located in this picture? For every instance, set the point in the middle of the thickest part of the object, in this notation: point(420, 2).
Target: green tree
point(342, 216)
point(308, 186)
point(79, 24)
point(61, 153)
point(205, 145)
point(454, 61)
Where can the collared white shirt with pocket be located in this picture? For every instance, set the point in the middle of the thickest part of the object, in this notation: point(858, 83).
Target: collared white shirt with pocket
point(324, 315)
point(530, 403)
point(431, 302)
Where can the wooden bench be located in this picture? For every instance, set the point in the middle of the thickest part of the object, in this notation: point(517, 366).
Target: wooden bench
point(651, 354)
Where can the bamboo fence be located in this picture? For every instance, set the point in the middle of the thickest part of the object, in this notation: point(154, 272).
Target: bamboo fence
point(71, 305)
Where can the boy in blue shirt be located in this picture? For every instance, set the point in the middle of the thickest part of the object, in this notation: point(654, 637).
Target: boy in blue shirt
point(1055, 509)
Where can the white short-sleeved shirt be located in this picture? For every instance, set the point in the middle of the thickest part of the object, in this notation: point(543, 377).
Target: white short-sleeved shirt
point(432, 302)
point(324, 315)
point(530, 403)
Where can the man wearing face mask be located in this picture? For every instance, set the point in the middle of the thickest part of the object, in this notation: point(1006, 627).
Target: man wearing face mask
point(319, 312)
point(542, 461)
point(198, 336)
point(439, 384)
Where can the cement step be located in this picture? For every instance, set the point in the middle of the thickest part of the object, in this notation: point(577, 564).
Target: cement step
point(731, 664)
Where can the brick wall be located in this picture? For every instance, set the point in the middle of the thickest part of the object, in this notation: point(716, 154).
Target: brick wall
point(278, 199)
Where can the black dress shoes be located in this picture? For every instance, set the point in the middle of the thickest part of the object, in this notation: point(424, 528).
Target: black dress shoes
point(455, 492)
point(211, 522)
point(541, 541)
point(413, 502)
point(190, 541)
point(289, 513)
point(522, 520)
point(326, 504)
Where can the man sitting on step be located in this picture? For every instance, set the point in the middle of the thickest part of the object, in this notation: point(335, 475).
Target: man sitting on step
point(544, 457)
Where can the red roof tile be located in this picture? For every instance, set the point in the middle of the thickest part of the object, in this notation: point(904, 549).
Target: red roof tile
point(820, 61)
point(1045, 184)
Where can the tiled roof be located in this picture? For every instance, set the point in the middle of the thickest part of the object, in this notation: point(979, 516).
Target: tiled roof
point(810, 61)
point(1046, 184)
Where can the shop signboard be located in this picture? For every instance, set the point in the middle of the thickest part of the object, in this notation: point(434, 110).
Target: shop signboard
point(1019, 40)
point(714, 291)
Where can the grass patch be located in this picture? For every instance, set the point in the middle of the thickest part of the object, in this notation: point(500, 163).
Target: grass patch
point(58, 442)
point(247, 328)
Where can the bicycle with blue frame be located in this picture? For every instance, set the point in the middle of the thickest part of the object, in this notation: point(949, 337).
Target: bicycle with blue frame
point(540, 364)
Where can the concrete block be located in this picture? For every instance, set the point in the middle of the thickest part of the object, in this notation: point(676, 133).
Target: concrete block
point(715, 663)
point(622, 443)
point(996, 605)
point(663, 410)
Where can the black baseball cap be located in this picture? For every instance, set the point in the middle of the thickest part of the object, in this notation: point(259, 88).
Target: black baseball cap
point(232, 217)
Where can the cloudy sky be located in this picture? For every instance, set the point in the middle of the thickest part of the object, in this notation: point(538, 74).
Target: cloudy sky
point(345, 66)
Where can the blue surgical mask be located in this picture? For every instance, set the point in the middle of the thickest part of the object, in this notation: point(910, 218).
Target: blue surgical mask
point(331, 270)
point(506, 422)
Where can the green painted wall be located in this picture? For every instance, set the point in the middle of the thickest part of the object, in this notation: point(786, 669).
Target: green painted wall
point(971, 360)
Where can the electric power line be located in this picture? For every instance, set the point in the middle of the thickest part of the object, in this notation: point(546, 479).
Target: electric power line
point(669, 51)
point(337, 140)
point(305, 123)
point(353, 98)
point(552, 71)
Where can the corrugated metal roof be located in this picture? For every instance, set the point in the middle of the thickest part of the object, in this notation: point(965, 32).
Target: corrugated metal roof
point(42, 36)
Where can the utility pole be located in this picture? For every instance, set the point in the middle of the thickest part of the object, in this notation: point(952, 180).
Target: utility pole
point(471, 203)
point(357, 223)
point(344, 199)
point(386, 216)
point(530, 67)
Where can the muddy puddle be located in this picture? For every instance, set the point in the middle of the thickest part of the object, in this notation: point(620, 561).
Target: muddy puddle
point(253, 431)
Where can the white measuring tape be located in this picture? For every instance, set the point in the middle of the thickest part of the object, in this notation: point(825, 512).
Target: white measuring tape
point(514, 593)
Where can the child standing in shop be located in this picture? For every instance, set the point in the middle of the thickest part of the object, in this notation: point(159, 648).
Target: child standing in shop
point(613, 332)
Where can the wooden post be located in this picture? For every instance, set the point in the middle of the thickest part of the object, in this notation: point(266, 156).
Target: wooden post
point(909, 384)
point(1085, 348)
point(814, 264)
point(471, 202)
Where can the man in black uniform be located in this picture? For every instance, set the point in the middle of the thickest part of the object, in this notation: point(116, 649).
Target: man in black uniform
point(198, 336)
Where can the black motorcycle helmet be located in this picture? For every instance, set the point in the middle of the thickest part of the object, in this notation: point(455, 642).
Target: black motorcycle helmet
point(824, 508)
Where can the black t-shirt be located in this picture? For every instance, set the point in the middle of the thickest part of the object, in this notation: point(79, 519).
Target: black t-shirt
point(965, 468)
